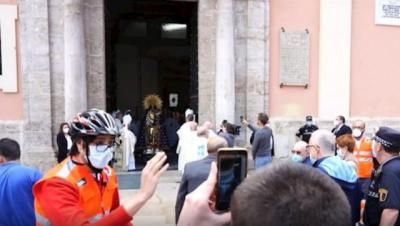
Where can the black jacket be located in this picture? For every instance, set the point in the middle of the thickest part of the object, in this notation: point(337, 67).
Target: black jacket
point(194, 174)
point(305, 132)
point(342, 131)
point(62, 147)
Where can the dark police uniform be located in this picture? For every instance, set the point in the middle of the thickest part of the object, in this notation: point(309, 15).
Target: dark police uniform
point(384, 190)
point(304, 133)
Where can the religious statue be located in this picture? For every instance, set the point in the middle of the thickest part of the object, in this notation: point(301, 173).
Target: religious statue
point(152, 136)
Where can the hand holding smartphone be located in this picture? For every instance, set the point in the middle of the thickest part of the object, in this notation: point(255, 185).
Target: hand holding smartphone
point(232, 170)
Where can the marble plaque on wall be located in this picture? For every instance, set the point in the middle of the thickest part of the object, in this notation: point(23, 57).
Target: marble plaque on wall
point(294, 58)
point(387, 12)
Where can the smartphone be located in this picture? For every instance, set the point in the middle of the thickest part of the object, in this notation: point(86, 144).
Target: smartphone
point(232, 170)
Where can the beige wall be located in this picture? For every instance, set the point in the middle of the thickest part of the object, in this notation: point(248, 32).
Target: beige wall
point(294, 15)
point(375, 64)
point(11, 104)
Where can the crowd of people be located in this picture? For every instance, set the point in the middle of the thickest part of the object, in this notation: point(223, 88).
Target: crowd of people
point(337, 177)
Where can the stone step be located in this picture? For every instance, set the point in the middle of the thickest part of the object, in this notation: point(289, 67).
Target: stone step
point(149, 220)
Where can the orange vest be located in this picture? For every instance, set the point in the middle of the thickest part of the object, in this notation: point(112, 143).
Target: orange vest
point(364, 155)
point(95, 201)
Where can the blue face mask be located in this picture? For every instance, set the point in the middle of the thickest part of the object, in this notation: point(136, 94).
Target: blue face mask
point(297, 158)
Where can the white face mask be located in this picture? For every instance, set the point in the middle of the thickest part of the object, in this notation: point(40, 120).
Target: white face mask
point(313, 159)
point(336, 123)
point(375, 148)
point(308, 123)
point(100, 155)
point(357, 133)
point(65, 130)
point(340, 153)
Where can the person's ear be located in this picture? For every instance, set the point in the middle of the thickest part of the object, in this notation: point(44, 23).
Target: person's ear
point(2, 159)
point(80, 144)
point(318, 151)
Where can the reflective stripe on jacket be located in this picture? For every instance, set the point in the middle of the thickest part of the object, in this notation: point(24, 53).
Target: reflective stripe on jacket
point(364, 156)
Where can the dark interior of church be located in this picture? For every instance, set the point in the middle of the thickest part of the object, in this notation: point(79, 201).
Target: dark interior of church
point(151, 48)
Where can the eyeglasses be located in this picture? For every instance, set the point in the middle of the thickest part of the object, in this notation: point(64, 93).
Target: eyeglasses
point(103, 147)
point(308, 147)
point(358, 127)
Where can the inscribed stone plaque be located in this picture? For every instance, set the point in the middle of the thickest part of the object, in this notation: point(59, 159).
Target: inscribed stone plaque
point(387, 12)
point(294, 58)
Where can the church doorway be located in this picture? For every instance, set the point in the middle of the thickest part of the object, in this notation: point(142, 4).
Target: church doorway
point(151, 48)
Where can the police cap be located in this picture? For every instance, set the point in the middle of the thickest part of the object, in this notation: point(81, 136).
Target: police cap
point(308, 118)
point(388, 137)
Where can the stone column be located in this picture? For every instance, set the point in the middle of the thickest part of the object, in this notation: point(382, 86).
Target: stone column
point(75, 89)
point(256, 61)
point(56, 40)
point(36, 139)
point(95, 53)
point(225, 63)
point(206, 59)
point(334, 58)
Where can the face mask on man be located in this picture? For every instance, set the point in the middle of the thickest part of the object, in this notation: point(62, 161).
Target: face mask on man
point(336, 123)
point(100, 155)
point(308, 123)
point(65, 130)
point(375, 148)
point(341, 153)
point(297, 158)
point(357, 133)
point(313, 159)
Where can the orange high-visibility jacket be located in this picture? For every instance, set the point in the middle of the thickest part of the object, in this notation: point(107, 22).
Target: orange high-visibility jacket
point(364, 155)
point(96, 201)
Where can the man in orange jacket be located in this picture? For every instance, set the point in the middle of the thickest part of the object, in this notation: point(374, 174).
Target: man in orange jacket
point(83, 189)
point(364, 154)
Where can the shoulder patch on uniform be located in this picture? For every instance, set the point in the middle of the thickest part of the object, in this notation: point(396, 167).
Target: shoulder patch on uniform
point(81, 182)
point(383, 193)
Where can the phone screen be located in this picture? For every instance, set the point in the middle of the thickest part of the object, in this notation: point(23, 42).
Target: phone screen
point(232, 169)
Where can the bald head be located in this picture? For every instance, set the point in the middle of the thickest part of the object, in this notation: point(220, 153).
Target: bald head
point(359, 124)
point(325, 140)
point(300, 148)
point(208, 125)
point(202, 131)
point(215, 143)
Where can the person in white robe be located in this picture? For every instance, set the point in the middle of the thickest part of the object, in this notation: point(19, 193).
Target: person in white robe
point(183, 132)
point(187, 139)
point(128, 143)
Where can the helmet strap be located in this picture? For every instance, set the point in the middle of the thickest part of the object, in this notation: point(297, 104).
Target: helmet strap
point(94, 169)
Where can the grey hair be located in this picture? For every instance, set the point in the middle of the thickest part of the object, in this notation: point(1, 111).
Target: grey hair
point(325, 140)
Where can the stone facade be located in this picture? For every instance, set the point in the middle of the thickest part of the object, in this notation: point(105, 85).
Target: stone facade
point(42, 42)
point(250, 59)
point(46, 82)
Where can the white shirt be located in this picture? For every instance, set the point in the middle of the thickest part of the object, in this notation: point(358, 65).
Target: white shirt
point(69, 141)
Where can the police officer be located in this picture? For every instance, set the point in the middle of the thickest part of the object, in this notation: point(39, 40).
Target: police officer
point(383, 199)
point(304, 133)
